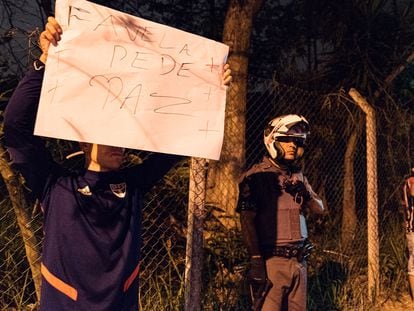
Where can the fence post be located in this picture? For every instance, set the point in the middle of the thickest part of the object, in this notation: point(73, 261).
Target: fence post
point(372, 193)
point(194, 247)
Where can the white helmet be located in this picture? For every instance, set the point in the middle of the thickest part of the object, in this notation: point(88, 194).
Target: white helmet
point(291, 126)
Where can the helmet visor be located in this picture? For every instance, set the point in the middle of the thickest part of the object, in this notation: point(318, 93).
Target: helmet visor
point(298, 141)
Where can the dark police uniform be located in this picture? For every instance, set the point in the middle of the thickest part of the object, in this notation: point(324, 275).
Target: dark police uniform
point(281, 231)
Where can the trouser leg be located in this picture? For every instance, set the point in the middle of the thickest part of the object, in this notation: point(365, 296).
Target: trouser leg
point(289, 285)
point(297, 295)
point(411, 281)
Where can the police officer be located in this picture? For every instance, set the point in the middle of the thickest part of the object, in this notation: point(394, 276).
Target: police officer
point(273, 196)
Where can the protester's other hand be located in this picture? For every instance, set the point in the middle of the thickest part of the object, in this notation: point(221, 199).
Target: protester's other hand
point(257, 272)
point(51, 35)
point(227, 77)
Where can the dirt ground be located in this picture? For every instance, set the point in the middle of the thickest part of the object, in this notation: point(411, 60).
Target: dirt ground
point(403, 304)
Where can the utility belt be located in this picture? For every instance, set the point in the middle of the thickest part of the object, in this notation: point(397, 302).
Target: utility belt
point(300, 252)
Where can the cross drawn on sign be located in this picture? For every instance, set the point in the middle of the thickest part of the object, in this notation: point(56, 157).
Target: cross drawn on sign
point(206, 129)
point(212, 65)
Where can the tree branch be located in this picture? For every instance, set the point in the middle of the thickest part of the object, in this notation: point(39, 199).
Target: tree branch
point(393, 75)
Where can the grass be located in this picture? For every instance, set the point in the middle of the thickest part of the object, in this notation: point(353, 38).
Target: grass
point(337, 280)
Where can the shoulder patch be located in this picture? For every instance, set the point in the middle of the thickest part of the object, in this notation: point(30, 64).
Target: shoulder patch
point(85, 191)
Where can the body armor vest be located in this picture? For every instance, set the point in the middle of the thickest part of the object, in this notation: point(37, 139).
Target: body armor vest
point(291, 224)
point(280, 220)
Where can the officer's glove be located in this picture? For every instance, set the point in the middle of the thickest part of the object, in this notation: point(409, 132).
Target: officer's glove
point(257, 273)
point(259, 284)
point(298, 191)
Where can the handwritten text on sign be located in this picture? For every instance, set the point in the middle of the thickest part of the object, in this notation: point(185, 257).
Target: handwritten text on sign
point(119, 80)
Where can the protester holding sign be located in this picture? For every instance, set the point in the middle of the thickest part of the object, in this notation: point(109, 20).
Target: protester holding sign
point(132, 71)
point(92, 220)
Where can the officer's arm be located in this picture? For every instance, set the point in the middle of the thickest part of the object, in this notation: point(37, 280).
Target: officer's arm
point(405, 194)
point(410, 185)
point(249, 233)
point(247, 208)
point(315, 203)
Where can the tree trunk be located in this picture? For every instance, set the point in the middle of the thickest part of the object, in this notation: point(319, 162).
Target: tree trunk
point(222, 189)
point(23, 220)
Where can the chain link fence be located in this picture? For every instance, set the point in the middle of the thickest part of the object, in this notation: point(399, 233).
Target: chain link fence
point(335, 164)
point(332, 119)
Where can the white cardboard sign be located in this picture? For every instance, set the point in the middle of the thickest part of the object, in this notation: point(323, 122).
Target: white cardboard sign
point(120, 80)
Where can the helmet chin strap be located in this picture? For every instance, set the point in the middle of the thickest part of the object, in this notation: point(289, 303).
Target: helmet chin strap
point(280, 153)
point(299, 152)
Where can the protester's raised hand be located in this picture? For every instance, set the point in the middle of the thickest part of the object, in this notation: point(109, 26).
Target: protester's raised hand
point(51, 35)
point(227, 77)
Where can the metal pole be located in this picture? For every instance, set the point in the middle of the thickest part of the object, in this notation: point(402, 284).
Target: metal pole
point(194, 247)
point(372, 194)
